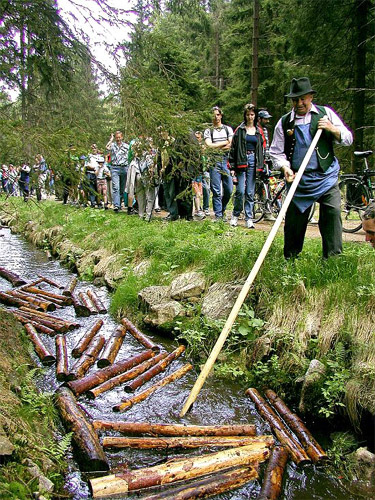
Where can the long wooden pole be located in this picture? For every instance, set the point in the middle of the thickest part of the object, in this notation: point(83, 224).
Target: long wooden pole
point(246, 287)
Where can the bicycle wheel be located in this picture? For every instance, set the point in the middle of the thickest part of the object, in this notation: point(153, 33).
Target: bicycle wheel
point(260, 199)
point(354, 199)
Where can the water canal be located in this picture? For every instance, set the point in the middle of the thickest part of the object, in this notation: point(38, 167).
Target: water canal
point(219, 402)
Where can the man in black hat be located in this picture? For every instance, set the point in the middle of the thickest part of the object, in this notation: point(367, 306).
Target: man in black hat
point(293, 135)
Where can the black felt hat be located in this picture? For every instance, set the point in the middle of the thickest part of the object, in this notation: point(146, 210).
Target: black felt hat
point(299, 87)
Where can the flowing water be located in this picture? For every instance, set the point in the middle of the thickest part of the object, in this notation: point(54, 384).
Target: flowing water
point(219, 402)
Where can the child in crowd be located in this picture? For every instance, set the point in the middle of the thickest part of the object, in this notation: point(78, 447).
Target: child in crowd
point(102, 174)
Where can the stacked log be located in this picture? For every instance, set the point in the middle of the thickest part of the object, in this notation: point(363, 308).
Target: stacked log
point(85, 340)
point(62, 298)
point(85, 440)
point(58, 324)
point(97, 378)
point(50, 282)
point(139, 428)
point(87, 302)
point(138, 335)
point(126, 376)
point(45, 305)
point(45, 356)
point(178, 470)
point(273, 476)
point(155, 370)
point(88, 358)
point(97, 303)
point(184, 442)
point(79, 308)
point(212, 485)
point(283, 434)
point(62, 366)
point(112, 347)
point(8, 299)
point(146, 393)
point(12, 277)
point(312, 447)
point(38, 326)
point(70, 287)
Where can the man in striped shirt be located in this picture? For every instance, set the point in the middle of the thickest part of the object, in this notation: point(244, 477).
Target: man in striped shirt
point(119, 167)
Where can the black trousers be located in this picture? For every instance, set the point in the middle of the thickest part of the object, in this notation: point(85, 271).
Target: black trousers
point(330, 225)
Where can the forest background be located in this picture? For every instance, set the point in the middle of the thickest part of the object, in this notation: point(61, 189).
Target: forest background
point(177, 60)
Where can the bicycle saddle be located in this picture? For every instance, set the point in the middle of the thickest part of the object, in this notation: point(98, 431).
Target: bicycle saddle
point(362, 154)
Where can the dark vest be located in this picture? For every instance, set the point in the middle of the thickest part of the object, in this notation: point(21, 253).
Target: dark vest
point(324, 148)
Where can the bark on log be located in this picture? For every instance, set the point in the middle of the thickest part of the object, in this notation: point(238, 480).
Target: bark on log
point(70, 287)
point(297, 453)
point(312, 447)
point(12, 277)
point(85, 340)
point(39, 291)
point(38, 326)
point(88, 358)
point(50, 282)
point(79, 308)
point(94, 379)
point(184, 442)
point(178, 470)
point(59, 303)
point(141, 337)
point(9, 300)
point(31, 283)
point(98, 304)
point(212, 485)
point(43, 304)
point(112, 347)
point(45, 356)
point(273, 476)
point(143, 395)
point(87, 302)
point(124, 377)
point(155, 370)
point(138, 428)
point(85, 440)
point(62, 366)
point(48, 321)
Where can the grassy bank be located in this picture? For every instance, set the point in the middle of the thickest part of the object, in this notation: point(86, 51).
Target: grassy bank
point(297, 311)
point(28, 418)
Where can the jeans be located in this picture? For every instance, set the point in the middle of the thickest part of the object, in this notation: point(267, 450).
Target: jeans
point(206, 190)
point(119, 174)
point(220, 175)
point(245, 186)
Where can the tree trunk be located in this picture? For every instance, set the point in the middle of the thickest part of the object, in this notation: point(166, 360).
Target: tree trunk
point(9, 300)
point(312, 447)
point(79, 308)
point(85, 340)
point(273, 477)
point(70, 287)
point(141, 337)
point(90, 454)
point(98, 304)
point(44, 354)
point(88, 358)
point(39, 327)
point(178, 470)
point(87, 302)
point(112, 347)
point(51, 282)
point(255, 67)
point(12, 277)
point(175, 429)
point(33, 289)
point(283, 434)
point(43, 304)
point(62, 366)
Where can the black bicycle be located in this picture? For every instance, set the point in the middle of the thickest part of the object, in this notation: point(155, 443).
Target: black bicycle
point(270, 192)
point(357, 190)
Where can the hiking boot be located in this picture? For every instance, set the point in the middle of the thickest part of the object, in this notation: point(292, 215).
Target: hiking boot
point(234, 221)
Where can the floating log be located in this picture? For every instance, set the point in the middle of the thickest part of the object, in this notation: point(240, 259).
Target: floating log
point(42, 303)
point(85, 440)
point(138, 428)
point(183, 442)
point(85, 340)
point(38, 326)
point(312, 447)
point(178, 470)
point(12, 277)
point(59, 303)
point(45, 356)
point(9, 300)
point(143, 395)
point(273, 477)
point(33, 289)
point(31, 283)
point(71, 325)
point(48, 321)
point(213, 485)
point(87, 302)
point(88, 358)
point(155, 370)
point(62, 367)
point(79, 308)
point(70, 287)
point(50, 282)
point(297, 453)
point(94, 379)
point(98, 304)
point(141, 337)
point(112, 347)
point(124, 377)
